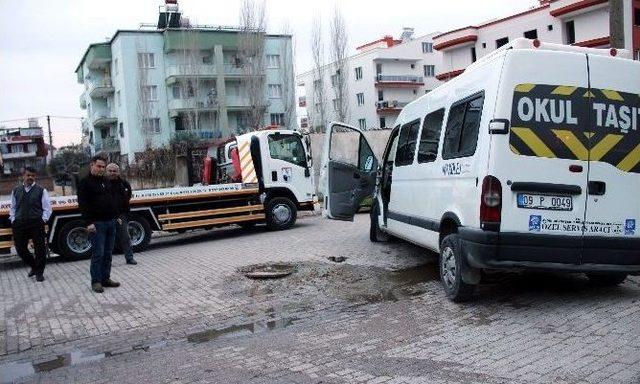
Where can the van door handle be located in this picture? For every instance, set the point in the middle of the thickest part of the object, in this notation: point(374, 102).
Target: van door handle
point(596, 188)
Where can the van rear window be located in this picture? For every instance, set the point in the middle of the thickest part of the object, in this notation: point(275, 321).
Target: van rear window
point(461, 135)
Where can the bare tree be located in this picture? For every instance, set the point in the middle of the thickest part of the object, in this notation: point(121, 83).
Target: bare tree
point(189, 84)
point(319, 116)
point(287, 54)
point(143, 101)
point(339, 57)
point(251, 58)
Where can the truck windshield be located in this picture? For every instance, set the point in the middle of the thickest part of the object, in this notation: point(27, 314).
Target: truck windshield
point(287, 148)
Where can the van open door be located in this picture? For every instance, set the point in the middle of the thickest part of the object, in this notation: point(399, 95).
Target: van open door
point(348, 173)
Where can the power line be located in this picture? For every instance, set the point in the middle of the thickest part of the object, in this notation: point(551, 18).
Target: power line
point(41, 117)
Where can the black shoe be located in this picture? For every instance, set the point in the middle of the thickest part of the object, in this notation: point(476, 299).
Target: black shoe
point(132, 262)
point(97, 287)
point(40, 278)
point(31, 273)
point(110, 284)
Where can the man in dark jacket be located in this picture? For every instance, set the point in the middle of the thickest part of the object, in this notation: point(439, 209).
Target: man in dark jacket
point(98, 211)
point(121, 190)
point(30, 210)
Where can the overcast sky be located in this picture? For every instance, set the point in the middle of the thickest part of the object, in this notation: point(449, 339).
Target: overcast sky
point(42, 41)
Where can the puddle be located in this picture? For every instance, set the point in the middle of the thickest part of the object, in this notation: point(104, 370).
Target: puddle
point(239, 329)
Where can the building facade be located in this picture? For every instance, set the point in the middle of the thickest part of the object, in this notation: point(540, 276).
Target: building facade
point(22, 147)
point(145, 87)
point(382, 77)
point(575, 22)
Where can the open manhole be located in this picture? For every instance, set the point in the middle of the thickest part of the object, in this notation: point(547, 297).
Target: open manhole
point(267, 271)
point(337, 259)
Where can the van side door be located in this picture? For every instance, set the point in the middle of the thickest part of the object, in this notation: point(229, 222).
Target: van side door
point(350, 168)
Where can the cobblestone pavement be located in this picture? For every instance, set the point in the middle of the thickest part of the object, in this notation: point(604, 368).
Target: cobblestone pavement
point(185, 314)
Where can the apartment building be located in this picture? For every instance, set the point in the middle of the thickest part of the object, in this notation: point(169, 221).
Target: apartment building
point(22, 147)
point(582, 23)
point(144, 87)
point(382, 77)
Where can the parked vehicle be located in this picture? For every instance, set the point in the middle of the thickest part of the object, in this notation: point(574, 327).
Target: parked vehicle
point(529, 159)
point(273, 184)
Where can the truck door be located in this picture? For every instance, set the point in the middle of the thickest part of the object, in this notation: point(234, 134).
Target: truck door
point(613, 205)
point(289, 165)
point(542, 160)
point(350, 169)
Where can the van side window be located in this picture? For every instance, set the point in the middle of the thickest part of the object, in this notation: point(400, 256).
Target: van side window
point(461, 136)
point(407, 143)
point(430, 137)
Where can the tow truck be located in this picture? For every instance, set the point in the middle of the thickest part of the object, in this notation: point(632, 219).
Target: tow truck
point(258, 177)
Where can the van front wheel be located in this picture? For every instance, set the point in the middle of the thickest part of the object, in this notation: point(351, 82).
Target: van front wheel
point(451, 270)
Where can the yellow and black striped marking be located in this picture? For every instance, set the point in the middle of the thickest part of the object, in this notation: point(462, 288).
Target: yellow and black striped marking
point(567, 122)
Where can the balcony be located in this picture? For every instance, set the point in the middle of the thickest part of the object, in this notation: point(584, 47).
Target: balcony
point(193, 103)
point(101, 88)
point(18, 155)
point(98, 55)
point(103, 119)
point(204, 71)
point(238, 103)
point(108, 144)
point(455, 39)
point(83, 101)
point(387, 107)
point(235, 70)
point(399, 81)
point(302, 101)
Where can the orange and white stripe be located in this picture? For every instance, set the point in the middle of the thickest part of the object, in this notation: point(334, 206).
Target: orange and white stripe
point(246, 164)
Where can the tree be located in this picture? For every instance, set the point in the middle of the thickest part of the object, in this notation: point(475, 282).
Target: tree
point(144, 100)
point(287, 54)
point(251, 58)
point(339, 58)
point(319, 116)
point(67, 164)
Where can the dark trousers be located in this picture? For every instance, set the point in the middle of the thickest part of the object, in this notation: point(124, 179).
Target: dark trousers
point(21, 236)
point(123, 236)
point(102, 241)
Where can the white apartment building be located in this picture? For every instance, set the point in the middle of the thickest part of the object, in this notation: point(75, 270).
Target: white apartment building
point(576, 22)
point(383, 76)
point(144, 87)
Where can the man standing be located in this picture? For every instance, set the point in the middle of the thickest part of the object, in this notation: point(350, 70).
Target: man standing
point(98, 211)
point(121, 190)
point(30, 210)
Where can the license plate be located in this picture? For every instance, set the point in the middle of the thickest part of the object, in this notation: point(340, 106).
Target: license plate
point(554, 203)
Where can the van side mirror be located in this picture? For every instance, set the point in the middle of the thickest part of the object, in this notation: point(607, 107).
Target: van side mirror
point(499, 126)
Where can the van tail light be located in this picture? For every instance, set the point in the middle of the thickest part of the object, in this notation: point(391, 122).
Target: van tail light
point(490, 204)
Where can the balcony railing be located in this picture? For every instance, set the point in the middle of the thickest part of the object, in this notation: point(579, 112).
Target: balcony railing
point(391, 106)
point(204, 70)
point(103, 118)
point(18, 155)
point(204, 103)
point(108, 144)
point(399, 79)
point(101, 88)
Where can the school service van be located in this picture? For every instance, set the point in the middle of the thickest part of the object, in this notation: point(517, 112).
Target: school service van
point(529, 159)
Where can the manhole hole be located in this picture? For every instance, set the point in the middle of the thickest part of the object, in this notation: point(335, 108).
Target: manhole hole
point(267, 271)
point(337, 259)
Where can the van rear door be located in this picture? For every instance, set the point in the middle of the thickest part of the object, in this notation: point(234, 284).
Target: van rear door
point(613, 201)
point(542, 162)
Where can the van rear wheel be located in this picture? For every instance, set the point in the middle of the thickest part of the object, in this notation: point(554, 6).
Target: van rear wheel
point(451, 270)
point(606, 279)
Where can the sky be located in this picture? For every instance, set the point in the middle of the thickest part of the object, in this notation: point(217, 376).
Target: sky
point(42, 41)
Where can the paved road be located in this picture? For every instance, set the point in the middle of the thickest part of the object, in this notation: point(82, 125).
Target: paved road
point(185, 314)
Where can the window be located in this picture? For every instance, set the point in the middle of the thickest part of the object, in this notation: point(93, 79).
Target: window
point(532, 34)
point(429, 70)
point(207, 59)
point(115, 67)
point(415, 91)
point(407, 143)
point(636, 16)
point(175, 91)
point(413, 66)
point(383, 122)
point(150, 93)
point(277, 119)
point(501, 42)
point(570, 32)
point(151, 125)
point(359, 73)
point(461, 136)
point(362, 123)
point(360, 97)
point(273, 61)
point(121, 130)
point(336, 104)
point(146, 60)
point(380, 95)
point(335, 80)
point(430, 136)
point(549, 27)
point(287, 148)
point(118, 100)
point(427, 47)
point(473, 55)
point(275, 91)
point(378, 69)
point(484, 45)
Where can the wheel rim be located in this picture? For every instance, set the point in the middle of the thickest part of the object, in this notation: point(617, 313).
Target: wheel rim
point(136, 233)
point(448, 267)
point(78, 240)
point(281, 213)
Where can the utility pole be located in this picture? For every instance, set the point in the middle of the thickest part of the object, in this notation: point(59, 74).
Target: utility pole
point(616, 23)
point(50, 138)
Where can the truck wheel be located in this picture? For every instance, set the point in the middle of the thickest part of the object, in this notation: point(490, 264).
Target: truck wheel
point(606, 279)
point(139, 232)
point(281, 213)
point(375, 233)
point(451, 268)
point(73, 241)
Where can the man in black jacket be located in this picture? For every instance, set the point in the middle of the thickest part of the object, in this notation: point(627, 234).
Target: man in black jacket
point(98, 210)
point(121, 190)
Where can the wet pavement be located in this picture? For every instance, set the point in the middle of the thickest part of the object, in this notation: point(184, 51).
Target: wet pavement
point(348, 311)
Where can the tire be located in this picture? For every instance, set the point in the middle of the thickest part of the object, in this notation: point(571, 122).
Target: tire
point(451, 268)
point(73, 241)
point(376, 235)
point(140, 232)
point(281, 213)
point(606, 279)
